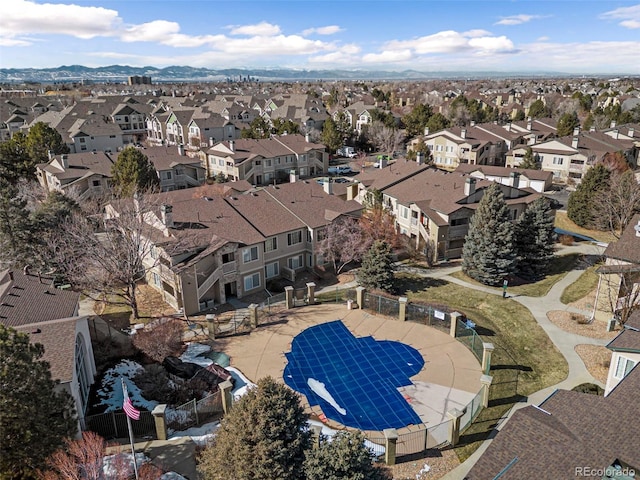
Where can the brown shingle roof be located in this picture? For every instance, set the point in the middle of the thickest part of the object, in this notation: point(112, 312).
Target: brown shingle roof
point(629, 338)
point(58, 337)
point(573, 430)
point(627, 248)
point(27, 299)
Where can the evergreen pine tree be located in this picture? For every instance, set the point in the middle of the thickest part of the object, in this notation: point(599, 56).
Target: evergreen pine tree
point(376, 270)
point(132, 172)
point(534, 239)
point(566, 123)
point(580, 204)
point(529, 160)
point(488, 254)
point(331, 136)
point(344, 457)
point(16, 229)
point(263, 437)
point(34, 418)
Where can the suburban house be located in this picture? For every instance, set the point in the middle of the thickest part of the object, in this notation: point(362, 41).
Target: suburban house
point(568, 158)
point(31, 304)
point(269, 160)
point(175, 169)
point(569, 435)
point(625, 352)
point(177, 126)
point(618, 291)
point(434, 207)
point(215, 242)
point(85, 174)
point(472, 144)
point(157, 125)
point(207, 131)
point(538, 180)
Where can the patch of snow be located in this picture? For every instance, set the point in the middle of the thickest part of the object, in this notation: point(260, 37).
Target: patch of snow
point(319, 389)
point(171, 476)
point(376, 449)
point(241, 385)
point(113, 465)
point(423, 470)
point(193, 354)
point(201, 436)
point(110, 393)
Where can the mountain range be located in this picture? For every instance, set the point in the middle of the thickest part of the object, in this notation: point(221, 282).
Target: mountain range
point(119, 73)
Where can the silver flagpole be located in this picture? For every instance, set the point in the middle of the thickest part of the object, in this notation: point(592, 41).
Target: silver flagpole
point(133, 450)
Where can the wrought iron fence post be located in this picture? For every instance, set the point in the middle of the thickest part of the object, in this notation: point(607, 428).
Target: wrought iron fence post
point(115, 424)
point(195, 410)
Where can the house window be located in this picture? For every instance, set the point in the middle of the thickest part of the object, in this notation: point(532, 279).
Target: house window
point(82, 140)
point(81, 371)
point(272, 270)
point(228, 257)
point(221, 162)
point(96, 183)
point(404, 212)
point(258, 162)
point(251, 281)
point(309, 236)
point(294, 237)
point(166, 175)
point(558, 160)
point(156, 279)
point(271, 244)
point(295, 262)
point(112, 136)
point(250, 254)
point(267, 163)
point(179, 171)
point(623, 367)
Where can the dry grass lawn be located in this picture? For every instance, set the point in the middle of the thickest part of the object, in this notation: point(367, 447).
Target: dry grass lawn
point(563, 222)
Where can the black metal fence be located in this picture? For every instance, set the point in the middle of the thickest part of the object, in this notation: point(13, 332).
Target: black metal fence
point(112, 425)
point(389, 307)
point(438, 316)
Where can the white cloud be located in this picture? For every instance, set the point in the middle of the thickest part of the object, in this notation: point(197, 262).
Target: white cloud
point(389, 56)
point(476, 33)
point(517, 19)
point(14, 42)
point(328, 30)
point(21, 17)
point(259, 29)
point(492, 44)
point(629, 16)
point(542, 39)
point(155, 31)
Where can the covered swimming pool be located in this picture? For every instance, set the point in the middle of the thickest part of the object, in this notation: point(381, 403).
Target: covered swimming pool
point(354, 380)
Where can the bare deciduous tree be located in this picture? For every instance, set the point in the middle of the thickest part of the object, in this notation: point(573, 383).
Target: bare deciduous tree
point(106, 258)
point(616, 205)
point(80, 460)
point(384, 138)
point(160, 340)
point(622, 291)
point(343, 244)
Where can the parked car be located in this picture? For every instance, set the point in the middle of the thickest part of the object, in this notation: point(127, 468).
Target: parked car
point(340, 170)
point(349, 152)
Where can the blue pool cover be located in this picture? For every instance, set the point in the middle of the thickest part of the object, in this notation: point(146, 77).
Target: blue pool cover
point(354, 380)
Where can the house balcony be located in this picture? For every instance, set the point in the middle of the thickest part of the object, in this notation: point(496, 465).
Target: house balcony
point(189, 180)
point(457, 232)
point(424, 233)
point(228, 268)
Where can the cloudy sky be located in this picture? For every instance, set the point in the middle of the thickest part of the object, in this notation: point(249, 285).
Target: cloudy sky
point(584, 36)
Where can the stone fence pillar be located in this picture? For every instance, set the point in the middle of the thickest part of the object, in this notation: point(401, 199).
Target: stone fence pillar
point(160, 419)
point(227, 397)
point(455, 316)
point(316, 435)
point(487, 348)
point(311, 293)
point(485, 380)
point(360, 297)
point(454, 428)
point(253, 314)
point(211, 325)
point(402, 315)
point(288, 293)
point(391, 439)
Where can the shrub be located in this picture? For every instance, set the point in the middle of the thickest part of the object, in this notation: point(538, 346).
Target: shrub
point(160, 340)
point(566, 240)
point(590, 388)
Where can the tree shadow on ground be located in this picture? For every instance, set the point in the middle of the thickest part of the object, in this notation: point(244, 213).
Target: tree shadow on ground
point(406, 282)
point(507, 400)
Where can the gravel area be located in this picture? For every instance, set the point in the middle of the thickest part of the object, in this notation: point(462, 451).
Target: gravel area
point(595, 329)
point(586, 302)
point(596, 358)
point(440, 462)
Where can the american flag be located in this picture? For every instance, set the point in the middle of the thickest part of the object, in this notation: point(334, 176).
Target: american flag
point(132, 412)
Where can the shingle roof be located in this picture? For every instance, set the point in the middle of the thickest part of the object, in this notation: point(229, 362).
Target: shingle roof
point(629, 338)
point(504, 171)
point(28, 299)
point(165, 158)
point(58, 337)
point(627, 248)
point(572, 430)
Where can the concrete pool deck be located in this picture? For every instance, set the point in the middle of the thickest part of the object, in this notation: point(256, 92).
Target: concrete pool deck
point(449, 379)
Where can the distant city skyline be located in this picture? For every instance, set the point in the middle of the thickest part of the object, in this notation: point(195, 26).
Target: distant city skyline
point(575, 37)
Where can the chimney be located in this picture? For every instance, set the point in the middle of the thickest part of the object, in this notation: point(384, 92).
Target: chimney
point(514, 181)
point(637, 229)
point(420, 158)
point(181, 150)
point(613, 124)
point(64, 160)
point(352, 191)
point(211, 141)
point(166, 212)
point(472, 123)
point(592, 128)
point(11, 275)
point(328, 186)
point(307, 138)
point(426, 131)
point(469, 186)
point(631, 132)
point(509, 127)
point(616, 133)
point(232, 145)
point(50, 154)
point(293, 176)
point(576, 131)
point(529, 123)
point(463, 133)
point(382, 163)
point(574, 142)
